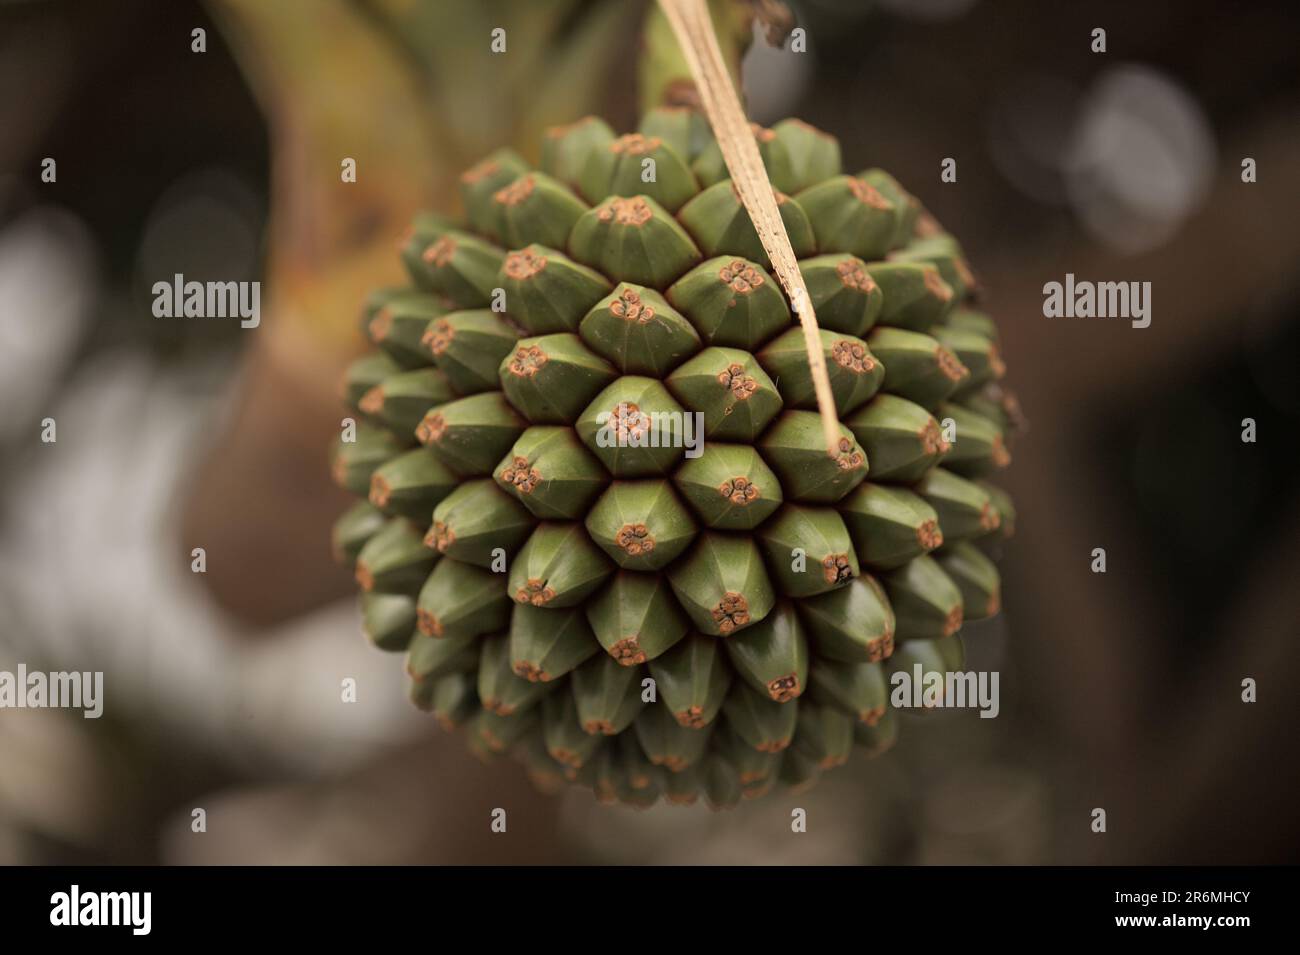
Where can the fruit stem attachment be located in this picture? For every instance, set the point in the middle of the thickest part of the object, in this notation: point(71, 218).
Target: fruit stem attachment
point(694, 31)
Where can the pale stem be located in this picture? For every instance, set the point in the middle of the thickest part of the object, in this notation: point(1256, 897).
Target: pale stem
point(694, 31)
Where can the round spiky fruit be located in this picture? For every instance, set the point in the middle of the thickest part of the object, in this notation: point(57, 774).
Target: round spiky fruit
point(599, 517)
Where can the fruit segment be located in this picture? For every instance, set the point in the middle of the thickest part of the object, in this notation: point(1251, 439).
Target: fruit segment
point(411, 484)
point(902, 440)
point(889, 525)
point(394, 559)
point(692, 680)
point(772, 655)
point(855, 374)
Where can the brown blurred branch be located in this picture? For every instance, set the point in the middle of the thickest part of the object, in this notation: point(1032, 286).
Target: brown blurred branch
point(412, 93)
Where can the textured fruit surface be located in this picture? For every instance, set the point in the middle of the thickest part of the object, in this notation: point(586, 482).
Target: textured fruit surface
point(599, 517)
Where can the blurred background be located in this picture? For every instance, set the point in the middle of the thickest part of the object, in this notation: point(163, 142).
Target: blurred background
point(1120, 691)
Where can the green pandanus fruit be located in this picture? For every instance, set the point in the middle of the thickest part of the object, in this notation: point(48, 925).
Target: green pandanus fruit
point(600, 519)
